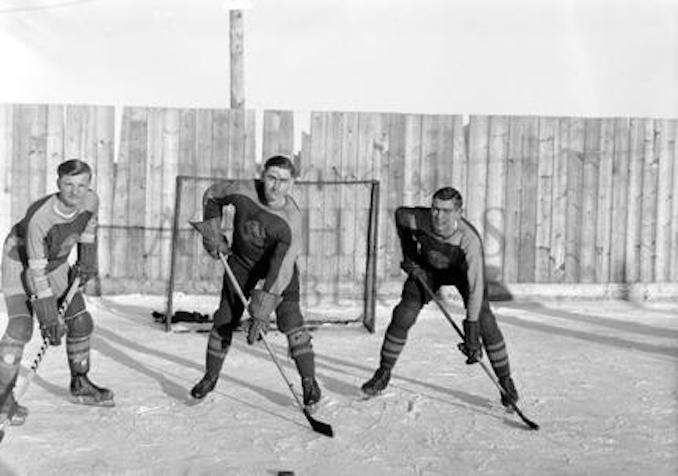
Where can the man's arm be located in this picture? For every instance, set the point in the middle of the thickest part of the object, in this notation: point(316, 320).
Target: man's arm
point(406, 225)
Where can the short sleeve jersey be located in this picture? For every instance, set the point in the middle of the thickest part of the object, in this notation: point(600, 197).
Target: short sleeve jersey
point(460, 255)
point(265, 239)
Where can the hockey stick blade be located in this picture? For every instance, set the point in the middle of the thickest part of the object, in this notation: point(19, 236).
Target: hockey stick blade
point(531, 425)
point(319, 426)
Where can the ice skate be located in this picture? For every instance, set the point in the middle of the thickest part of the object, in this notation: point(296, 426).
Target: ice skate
point(205, 386)
point(312, 393)
point(84, 392)
point(511, 395)
point(13, 411)
point(377, 383)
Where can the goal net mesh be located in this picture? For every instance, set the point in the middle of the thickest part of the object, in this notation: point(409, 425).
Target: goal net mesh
point(337, 263)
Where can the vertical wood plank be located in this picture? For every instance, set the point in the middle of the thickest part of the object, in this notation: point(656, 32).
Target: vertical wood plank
point(443, 166)
point(547, 131)
point(350, 197)
point(620, 201)
point(474, 200)
point(575, 181)
point(104, 183)
point(559, 201)
point(55, 143)
point(250, 166)
point(635, 199)
point(316, 171)
point(429, 159)
point(36, 153)
point(153, 217)
point(648, 220)
point(186, 166)
point(414, 164)
point(119, 238)
point(7, 175)
point(495, 202)
point(528, 199)
point(136, 191)
point(513, 194)
point(170, 166)
point(278, 133)
point(604, 202)
point(460, 157)
point(674, 213)
point(203, 264)
point(664, 145)
point(395, 166)
point(591, 161)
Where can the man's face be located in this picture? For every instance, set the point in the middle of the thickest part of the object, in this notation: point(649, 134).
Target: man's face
point(72, 189)
point(277, 183)
point(444, 216)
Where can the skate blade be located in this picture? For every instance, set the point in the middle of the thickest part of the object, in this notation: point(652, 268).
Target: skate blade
point(92, 403)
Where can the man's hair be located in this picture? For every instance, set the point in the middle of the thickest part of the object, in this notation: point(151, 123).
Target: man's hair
point(449, 193)
point(73, 167)
point(282, 162)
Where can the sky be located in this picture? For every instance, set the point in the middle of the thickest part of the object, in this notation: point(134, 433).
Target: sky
point(585, 58)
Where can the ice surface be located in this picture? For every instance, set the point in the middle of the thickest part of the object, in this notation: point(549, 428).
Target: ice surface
point(600, 378)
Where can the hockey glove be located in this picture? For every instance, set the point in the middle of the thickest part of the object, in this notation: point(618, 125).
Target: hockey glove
point(51, 327)
point(471, 346)
point(213, 240)
point(86, 266)
point(414, 270)
point(261, 305)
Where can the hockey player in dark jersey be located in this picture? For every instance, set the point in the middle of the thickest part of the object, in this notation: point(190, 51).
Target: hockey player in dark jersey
point(266, 243)
point(35, 276)
point(440, 247)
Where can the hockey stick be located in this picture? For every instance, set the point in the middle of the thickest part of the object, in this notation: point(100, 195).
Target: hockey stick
point(72, 289)
point(317, 426)
point(532, 425)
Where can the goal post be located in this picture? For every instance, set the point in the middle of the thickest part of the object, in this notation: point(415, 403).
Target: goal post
point(337, 263)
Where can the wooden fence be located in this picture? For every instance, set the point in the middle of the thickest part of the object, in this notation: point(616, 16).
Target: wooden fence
point(557, 200)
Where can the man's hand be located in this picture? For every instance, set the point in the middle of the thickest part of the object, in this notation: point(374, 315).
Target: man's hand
point(414, 270)
point(84, 272)
point(51, 327)
point(261, 305)
point(471, 345)
point(213, 240)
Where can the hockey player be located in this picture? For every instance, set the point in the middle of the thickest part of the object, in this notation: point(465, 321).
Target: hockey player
point(35, 276)
point(440, 247)
point(266, 243)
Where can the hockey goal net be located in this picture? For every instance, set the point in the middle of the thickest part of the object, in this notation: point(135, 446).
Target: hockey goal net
point(337, 264)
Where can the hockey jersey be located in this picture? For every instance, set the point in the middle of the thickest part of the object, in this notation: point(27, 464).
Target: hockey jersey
point(266, 240)
point(44, 238)
point(455, 259)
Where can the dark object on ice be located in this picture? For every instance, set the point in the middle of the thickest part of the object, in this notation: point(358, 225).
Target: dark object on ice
point(182, 316)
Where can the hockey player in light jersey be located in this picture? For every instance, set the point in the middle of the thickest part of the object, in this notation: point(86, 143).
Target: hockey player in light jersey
point(35, 276)
point(266, 243)
point(440, 247)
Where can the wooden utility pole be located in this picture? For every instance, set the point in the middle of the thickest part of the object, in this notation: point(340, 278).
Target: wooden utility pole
point(237, 60)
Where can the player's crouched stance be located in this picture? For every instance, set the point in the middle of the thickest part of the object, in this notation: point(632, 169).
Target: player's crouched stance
point(441, 248)
point(35, 277)
point(266, 243)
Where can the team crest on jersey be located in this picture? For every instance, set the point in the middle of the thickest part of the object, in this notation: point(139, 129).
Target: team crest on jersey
point(254, 233)
point(438, 259)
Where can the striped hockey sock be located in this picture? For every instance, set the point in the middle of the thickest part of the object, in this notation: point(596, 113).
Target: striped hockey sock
point(77, 350)
point(390, 350)
point(498, 356)
point(217, 348)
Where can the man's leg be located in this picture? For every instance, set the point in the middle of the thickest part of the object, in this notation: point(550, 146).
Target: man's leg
point(495, 346)
point(291, 322)
point(226, 319)
point(403, 318)
point(80, 326)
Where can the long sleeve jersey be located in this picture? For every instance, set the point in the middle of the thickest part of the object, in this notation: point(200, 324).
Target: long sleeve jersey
point(457, 258)
point(264, 238)
point(44, 238)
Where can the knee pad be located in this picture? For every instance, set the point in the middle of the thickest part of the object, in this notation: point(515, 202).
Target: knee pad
point(76, 307)
point(80, 326)
point(299, 341)
point(20, 328)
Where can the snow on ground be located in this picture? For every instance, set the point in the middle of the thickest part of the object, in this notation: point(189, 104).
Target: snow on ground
point(600, 378)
